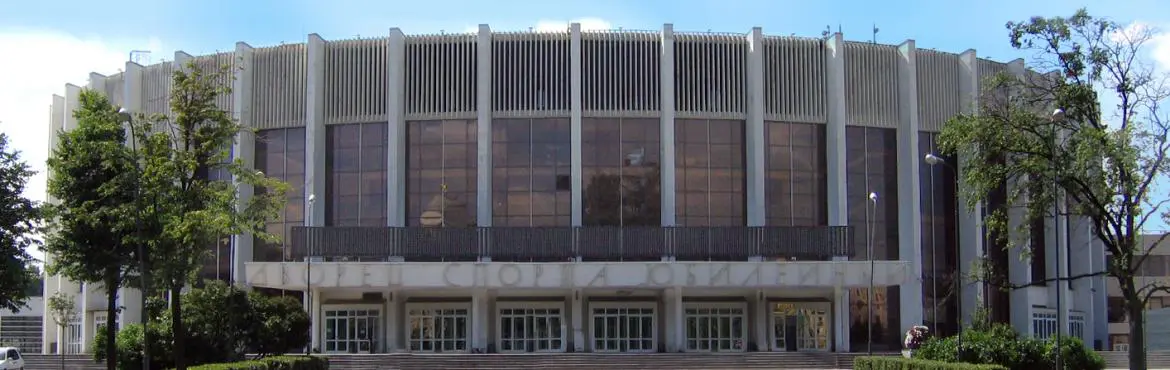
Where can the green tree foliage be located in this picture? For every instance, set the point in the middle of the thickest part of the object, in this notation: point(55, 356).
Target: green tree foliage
point(999, 344)
point(62, 309)
point(282, 325)
point(224, 323)
point(187, 210)
point(1099, 166)
point(19, 220)
point(94, 181)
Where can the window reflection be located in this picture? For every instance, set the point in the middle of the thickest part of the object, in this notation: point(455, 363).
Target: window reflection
point(441, 180)
point(871, 155)
point(355, 167)
point(796, 174)
point(280, 153)
point(530, 178)
point(709, 157)
point(939, 226)
point(622, 176)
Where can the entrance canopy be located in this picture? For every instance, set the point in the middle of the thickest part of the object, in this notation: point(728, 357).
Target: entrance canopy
point(504, 275)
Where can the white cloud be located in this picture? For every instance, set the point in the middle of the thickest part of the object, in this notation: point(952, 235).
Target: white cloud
point(38, 64)
point(1158, 44)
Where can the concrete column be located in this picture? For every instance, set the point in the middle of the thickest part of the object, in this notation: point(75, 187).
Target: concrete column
point(480, 320)
point(1099, 293)
point(134, 101)
point(52, 282)
point(578, 314)
point(970, 220)
point(1019, 269)
point(760, 311)
point(315, 318)
point(909, 212)
point(483, 105)
point(666, 91)
point(315, 132)
point(1081, 249)
point(756, 143)
point(391, 323)
point(97, 82)
point(575, 122)
point(838, 201)
point(676, 335)
point(243, 149)
point(396, 129)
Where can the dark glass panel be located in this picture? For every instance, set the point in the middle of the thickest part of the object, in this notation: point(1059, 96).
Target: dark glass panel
point(871, 165)
point(441, 175)
point(710, 168)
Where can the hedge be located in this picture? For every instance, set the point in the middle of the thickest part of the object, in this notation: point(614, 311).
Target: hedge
point(271, 363)
point(902, 363)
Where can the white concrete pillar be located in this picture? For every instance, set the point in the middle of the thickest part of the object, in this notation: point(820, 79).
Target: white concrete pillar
point(480, 320)
point(52, 282)
point(244, 149)
point(578, 208)
point(484, 122)
point(315, 132)
point(756, 144)
point(676, 327)
point(666, 95)
point(1019, 269)
point(760, 311)
point(1081, 249)
point(390, 323)
point(315, 318)
point(970, 219)
point(396, 129)
point(578, 314)
point(1099, 293)
point(909, 192)
point(835, 154)
point(134, 101)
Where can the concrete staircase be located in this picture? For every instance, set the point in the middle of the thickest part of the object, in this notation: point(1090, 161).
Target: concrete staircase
point(1120, 360)
point(52, 362)
point(756, 360)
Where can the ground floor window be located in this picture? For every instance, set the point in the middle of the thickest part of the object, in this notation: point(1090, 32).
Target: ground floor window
point(531, 329)
point(73, 337)
point(1043, 323)
point(438, 328)
point(351, 330)
point(99, 322)
point(800, 326)
point(623, 328)
point(715, 327)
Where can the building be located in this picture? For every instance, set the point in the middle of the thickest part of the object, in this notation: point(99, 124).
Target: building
point(25, 328)
point(632, 191)
point(1153, 270)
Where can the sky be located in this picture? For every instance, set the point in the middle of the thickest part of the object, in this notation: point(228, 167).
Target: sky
point(46, 44)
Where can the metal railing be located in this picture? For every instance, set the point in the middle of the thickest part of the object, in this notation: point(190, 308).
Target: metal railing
point(593, 243)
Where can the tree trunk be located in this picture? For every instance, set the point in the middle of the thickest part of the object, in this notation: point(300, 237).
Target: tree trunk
point(177, 327)
point(1135, 308)
point(111, 329)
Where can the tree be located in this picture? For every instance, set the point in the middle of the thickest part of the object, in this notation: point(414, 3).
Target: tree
point(94, 180)
point(64, 312)
point(188, 210)
point(282, 324)
point(19, 220)
point(1101, 167)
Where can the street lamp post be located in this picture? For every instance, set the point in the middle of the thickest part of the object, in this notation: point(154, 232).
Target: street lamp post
point(869, 231)
point(935, 160)
point(143, 276)
point(1057, 115)
point(309, 272)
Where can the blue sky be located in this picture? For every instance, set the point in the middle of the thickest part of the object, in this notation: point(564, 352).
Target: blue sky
point(54, 42)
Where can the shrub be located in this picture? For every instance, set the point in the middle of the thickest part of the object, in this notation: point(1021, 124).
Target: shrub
point(1000, 344)
point(900, 363)
point(129, 342)
point(219, 319)
point(271, 363)
point(282, 325)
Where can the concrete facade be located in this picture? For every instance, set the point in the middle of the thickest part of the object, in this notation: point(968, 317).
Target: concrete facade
point(488, 304)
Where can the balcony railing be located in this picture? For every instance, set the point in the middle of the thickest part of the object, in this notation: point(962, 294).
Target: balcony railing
point(594, 243)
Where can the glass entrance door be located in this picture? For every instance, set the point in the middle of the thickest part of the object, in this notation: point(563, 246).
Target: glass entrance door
point(531, 330)
point(800, 327)
point(623, 329)
point(715, 329)
point(438, 329)
point(351, 331)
